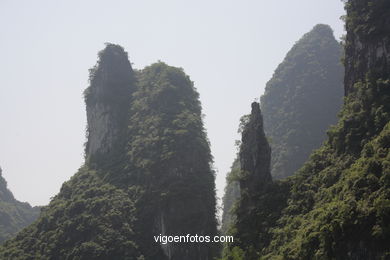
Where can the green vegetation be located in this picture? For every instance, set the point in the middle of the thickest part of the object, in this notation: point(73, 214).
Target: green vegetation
point(300, 102)
point(147, 172)
point(14, 215)
point(88, 219)
point(232, 189)
point(148, 168)
point(232, 193)
point(337, 206)
point(302, 99)
point(254, 178)
point(171, 157)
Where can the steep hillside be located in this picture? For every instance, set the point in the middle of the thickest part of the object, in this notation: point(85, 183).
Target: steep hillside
point(338, 205)
point(147, 172)
point(232, 193)
point(300, 103)
point(302, 99)
point(254, 176)
point(232, 188)
point(171, 157)
point(14, 215)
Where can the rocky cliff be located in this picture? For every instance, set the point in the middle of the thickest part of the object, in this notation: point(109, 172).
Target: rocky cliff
point(337, 205)
point(255, 156)
point(147, 172)
point(300, 103)
point(254, 178)
point(367, 42)
point(107, 101)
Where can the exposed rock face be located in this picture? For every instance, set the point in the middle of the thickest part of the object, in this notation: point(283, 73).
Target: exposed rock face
point(252, 168)
point(147, 172)
point(171, 221)
point(102, 129)
point(255, 178)
point(108, 100)
point(367, 47)
point(337, 205)
point(300, 102)
point(367, 69)
point(255, 154)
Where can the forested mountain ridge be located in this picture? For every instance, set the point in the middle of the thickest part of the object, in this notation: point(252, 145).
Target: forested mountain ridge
point(171, 155)
point(302, 99)
point(147, 172)
point(337, 206)
point(14, 215)
point(300, 103)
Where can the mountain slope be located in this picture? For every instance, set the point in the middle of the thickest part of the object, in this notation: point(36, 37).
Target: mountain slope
point(338, 205)
point(300, 103)
point(147, 172)
point(14, 215)
point(230, 196)
point(171, 157)
point(254, 176)
point(302, 99)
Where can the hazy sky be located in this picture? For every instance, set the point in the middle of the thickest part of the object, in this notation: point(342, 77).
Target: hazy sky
point(228, 48)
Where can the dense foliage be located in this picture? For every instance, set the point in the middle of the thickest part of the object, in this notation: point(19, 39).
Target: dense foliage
point(14, 215)
point(337, 206)
point(300, 103)
point(88, 219)
point(147, 172)
point(232, 193)
point(302, 99)
point(171, 157)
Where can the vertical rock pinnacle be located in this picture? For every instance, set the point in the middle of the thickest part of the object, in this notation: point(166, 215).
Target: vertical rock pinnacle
point(108, 100)
point(255, 153)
